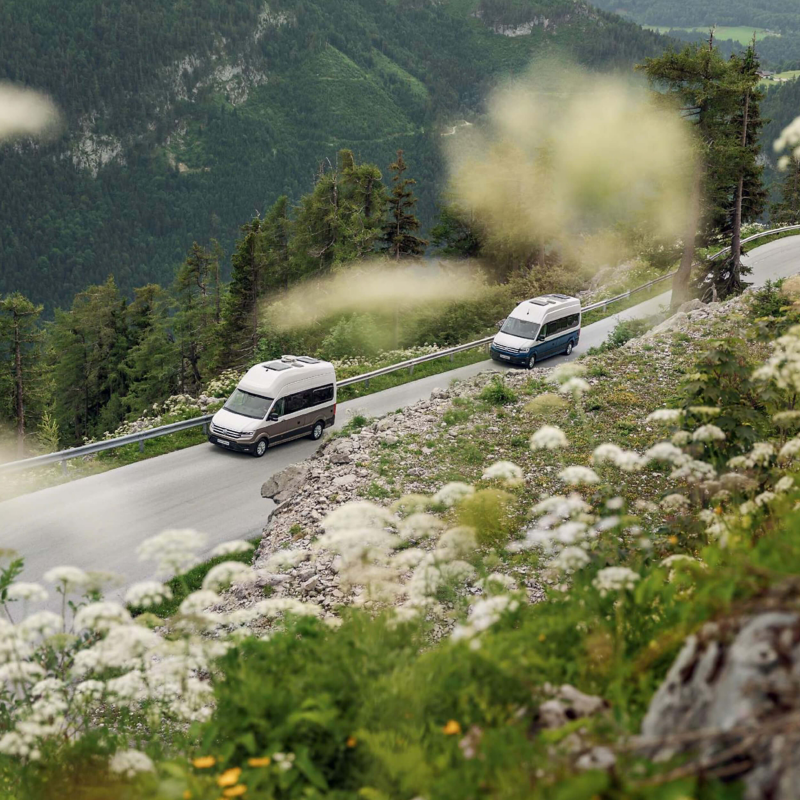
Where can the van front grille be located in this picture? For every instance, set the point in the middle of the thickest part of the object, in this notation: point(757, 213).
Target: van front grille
point(506, 349)
point(226, 432)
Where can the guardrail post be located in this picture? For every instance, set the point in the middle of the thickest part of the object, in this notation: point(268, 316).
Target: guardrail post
point(411, 370)
point(205, 429)
point(141, 445)
point(452, 357)
point(366, 383)
point(64, 467)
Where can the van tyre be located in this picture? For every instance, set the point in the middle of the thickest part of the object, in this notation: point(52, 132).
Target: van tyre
point(316, 431)
point(531, 362)
point(260, 448)
point(568, 351)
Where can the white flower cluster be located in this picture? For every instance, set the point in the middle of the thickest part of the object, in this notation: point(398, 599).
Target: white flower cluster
point(505, 472)
point(548, 437)
point(615, 579)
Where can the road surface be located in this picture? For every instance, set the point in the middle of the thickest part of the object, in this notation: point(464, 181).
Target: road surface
point(96, 523)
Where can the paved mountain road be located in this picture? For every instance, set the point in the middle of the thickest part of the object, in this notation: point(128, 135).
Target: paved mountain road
point(96, 523)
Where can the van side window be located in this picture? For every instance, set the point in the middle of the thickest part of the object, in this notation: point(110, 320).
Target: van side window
point(277, 407)
point(297, 402)
point(322, 395)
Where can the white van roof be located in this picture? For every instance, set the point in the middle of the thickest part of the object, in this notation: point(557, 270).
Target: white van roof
point(271, 378)
point(546, 306)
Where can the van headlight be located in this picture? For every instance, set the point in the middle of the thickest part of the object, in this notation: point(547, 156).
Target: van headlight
point(247, 435)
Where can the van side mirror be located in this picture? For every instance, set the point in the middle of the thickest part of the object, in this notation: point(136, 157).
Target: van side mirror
point(273, 416)
point(542, 336)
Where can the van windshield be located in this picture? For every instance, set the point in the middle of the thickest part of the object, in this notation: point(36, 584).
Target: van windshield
point(521, 328)
point(248, 405)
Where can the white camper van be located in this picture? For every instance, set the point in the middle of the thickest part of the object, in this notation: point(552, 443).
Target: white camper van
point(539, 328)
point(274, 402)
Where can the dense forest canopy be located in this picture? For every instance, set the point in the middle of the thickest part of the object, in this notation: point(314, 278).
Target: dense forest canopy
point(775, 15)
point(182, 119)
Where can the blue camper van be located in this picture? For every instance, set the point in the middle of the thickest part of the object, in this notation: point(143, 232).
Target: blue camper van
point(545, 326)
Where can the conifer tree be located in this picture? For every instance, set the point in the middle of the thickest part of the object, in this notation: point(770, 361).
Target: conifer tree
point(749, 195)
point(240, 317)
point(399, 234)
point(275, 235)
point(20, 361)
point(787, 211)
point(197, 293)
point(90, 344)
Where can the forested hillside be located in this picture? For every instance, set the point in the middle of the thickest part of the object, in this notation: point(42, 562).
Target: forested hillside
point(184, 119)
point(776, 15)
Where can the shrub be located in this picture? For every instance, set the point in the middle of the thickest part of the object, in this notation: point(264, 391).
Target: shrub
point(497, 393)
point(491, 513)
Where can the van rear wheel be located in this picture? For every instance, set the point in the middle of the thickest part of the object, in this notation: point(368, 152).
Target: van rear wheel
point(568, 351)
point(261, 448)
point(316, 431)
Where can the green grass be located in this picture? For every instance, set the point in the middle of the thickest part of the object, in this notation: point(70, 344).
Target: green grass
point(191, 581)
point(741, 34)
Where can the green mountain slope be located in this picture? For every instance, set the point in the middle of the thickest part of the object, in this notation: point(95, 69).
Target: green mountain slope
point(184, 118)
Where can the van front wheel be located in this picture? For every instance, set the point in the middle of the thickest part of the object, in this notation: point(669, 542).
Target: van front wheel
point(261, 448)
point(531, 362)
point(316, 431)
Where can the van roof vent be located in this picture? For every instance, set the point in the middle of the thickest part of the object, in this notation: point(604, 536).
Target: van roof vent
point(308, 360)
point(560, 296)
point(538, 302)
point(276, 366)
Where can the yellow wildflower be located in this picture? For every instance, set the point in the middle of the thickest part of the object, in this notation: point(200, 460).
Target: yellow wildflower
point(452, 728)
point(235, 791)
point(229, 777)
point(204, 762)
point(352, 741)
point(187, 795)
point(673, 540)
point(259, 762)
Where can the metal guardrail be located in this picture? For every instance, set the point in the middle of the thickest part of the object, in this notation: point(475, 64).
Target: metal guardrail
point(97, 447)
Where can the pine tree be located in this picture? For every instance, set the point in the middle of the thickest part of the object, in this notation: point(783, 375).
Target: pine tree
point(399, 234)
point(787, 211)
point(153, 359)
point(749, 195)
point(21, 342)
point(240, 317)
point(89, 345)
point(197, 292)
point(697, 80)
point(456, 233)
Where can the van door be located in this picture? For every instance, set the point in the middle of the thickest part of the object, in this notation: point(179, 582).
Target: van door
point(297, 406)
point(277, 426)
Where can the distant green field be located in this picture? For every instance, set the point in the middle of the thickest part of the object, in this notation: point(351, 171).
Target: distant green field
point(742, 34)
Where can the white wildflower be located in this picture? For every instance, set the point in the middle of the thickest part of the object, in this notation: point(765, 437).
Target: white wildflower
point(786, 417)
point(570, 532)
point(197, 602)
point(147, 593)
point(790, 450)
point(221, 576)
point(681, 438)
point(566, 372)
point(20, 672)
point(452, 493)
point(90, 691)
point(128, 688)
point(626, 460)
point(708, 433)
point(231, 547)
point(785, 484)
point(286, 559)
point(408, 559)
point(101, 617)
point(361, 514)
point(705, 411)
point(173, 550)
point(504, 471)
point(575, 387)
point(130, 763)
point(42, 623)
point(29, 592)
point(278, 606)
point(456, 543)
point(569, 560)
point(666, 451)
point(578, 476)
point(548, 437)
point(765, 498)
point(667, 415)
point(560, 506)
point(675, 502)
point(615, 579)
point(70, 579)
point(496, 581)
point(420, 526)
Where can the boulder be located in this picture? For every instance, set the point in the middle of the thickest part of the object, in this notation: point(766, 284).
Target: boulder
point(736, 684)
point(284, 484)
point(690, 305)
point(345, 480)
point(677, 322)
